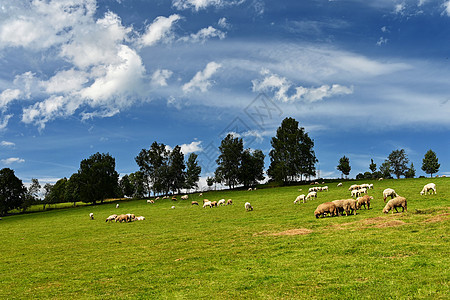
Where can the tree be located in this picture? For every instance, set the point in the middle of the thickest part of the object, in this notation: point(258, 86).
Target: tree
point(292, 153)
point(193, 171)
point(372, 166)
point(176, 171)
point(229, 160)
point(98, 178)
point(153, 164)
point(252, 167)
point(32, 194)
point(12, 191)
point(73, 189)
point(210, 181)
point(47, 190)
point(125, 186)
point(385, 169)
point(344, 166)
point(411, 172)
point(138, 182)
point(430, 163)
point(398, 162)
point(57, 193)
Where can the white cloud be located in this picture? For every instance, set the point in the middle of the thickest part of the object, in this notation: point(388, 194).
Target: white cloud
point(8, 96)
point(399, 8)
point(204, 34)
point(382, 41)
point(201, 80)
point(160, 77)
point(65, 81)
point(4, 122)
point(203, 4)
point(223, 23)
point(12, 160)
point(7, 144)
point(384, 29)
point(192, 147)
point(281, 86)
point(159, 30)
point(446, 5)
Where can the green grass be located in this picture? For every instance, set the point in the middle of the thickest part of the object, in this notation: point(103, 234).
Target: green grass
point(227, 253)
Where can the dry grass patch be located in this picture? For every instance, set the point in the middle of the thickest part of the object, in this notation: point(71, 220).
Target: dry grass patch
point(438, 218)
point(297, 231)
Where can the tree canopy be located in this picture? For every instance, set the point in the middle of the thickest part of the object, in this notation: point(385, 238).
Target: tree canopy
point(193, 171)
point(430, 164)
point(344, 165)
point(12, 191)
point(229, 160)
point(292, 153)
point(398, 162)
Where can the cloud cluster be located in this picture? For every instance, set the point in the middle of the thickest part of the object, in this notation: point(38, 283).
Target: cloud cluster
point(203, 4)
point(201, 81)
point(281, 86)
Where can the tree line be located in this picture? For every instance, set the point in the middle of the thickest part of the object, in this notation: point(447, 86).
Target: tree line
point(397, 164)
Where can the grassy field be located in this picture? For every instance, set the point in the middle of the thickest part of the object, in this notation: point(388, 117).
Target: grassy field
point(277, 251)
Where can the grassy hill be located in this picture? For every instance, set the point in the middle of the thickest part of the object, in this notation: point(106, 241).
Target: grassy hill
point(277, 251)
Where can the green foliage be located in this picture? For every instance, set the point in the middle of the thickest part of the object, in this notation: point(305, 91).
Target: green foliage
point(398, 162)
point(12, 191)
point(210, 181)
point(98, 178)
point(385, 169)
point(372, 166)
point(126, 187)
point(430, 164)
point(344, 165)
point(153, 164)
point(252, 167)
point(138, 182)
point(177, 174)
point(292, 153)
point(229, 160)
point(193, 171)
point(411, 172)
point(32, 193)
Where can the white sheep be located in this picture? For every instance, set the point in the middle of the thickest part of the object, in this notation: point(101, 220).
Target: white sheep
point(221, 202)
point(250, 189)
point(365, 185)
point(389, 193)
point(207, 203)
point(311, 195)
point(354, 187)
point(140, 218)
point(111, 218)
point(355, 193)
point(362, 191)
point(173, 207)
point(117, 205)
point(428, 187)
point(91, 216)
point(324, 188)
point(371, 186)
point(339, 184)
point(300, 198)
point(184, 197)
point(201, 194)
point(248, 206)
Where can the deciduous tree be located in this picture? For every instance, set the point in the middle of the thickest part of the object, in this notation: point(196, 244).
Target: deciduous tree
point(12, 191)
point(344, 165)
point(398, 162)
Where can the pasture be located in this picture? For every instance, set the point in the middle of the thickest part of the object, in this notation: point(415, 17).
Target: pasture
point(277, 251)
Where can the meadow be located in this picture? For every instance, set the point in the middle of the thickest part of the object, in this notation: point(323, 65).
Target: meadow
point(277, 251)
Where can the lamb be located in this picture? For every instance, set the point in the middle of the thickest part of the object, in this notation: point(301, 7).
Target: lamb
point(371, 186)
point(229, 202)
point(364, 200)
point(173, 207)
point(91, 216)
point(339, 184)
point(117, 205)
point(324, 208)
point(389, 192)
point(394, 203)
point(428, 187)
point(201, 194)
point(123, 218)
point(248, 206)
point(311, 195)
point(206, 204)
point(363, 191)
point(184, 197)
point(347, 205)
point(355, 193)
point(300, 198)
point(221, 202)
point(111, 218)
point(324, 188)
point(194, 203)
point(140, 218)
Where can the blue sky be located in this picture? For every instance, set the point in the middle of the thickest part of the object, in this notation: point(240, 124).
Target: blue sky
point(83, 76)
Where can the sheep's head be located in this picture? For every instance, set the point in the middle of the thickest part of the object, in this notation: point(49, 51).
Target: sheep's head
point(385, 210)
point(422, 192)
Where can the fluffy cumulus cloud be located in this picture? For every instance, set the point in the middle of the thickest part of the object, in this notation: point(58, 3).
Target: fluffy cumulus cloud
point(446, 6)
point(160, 30)
point(195, 146)
point(201, 81)
point(7, 144)
point(285, 91)
point(204, 34)
point(160, 77)
point(12, 160)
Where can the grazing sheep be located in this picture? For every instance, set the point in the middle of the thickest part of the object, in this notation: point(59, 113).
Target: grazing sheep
point(117, 205)
point(214, 203)
point(354, 187)
point(394, 203)
point(326, 208)
point(311, 195)
point(254, 189)
point(111, 218)
point(347, 205)
point(365, 185)
point(300, 198)
point(91, 216)
point(206, 200)
point(248, 206)
point(229, 202)
point(221, 202)
point(194, 203)
point(173, 207)
point(250, 189)
point(184, 197)
point(324, 188)
point(339, 184)
point(165, 197)
point(150, 201)
point(389, 192)
point(140, 218)
point(371, 186)
point(174, 198)
point(355, 193)
point(123, 218)
point(428, 187)
point(364, 200)
point(207, 204)
point(363, 191)
point(132, 217)
point(380, 179)
point(201, 194)
point(157, 198)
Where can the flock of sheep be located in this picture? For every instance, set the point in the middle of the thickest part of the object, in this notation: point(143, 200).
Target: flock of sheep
point(333, 208)
point(349, 206)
